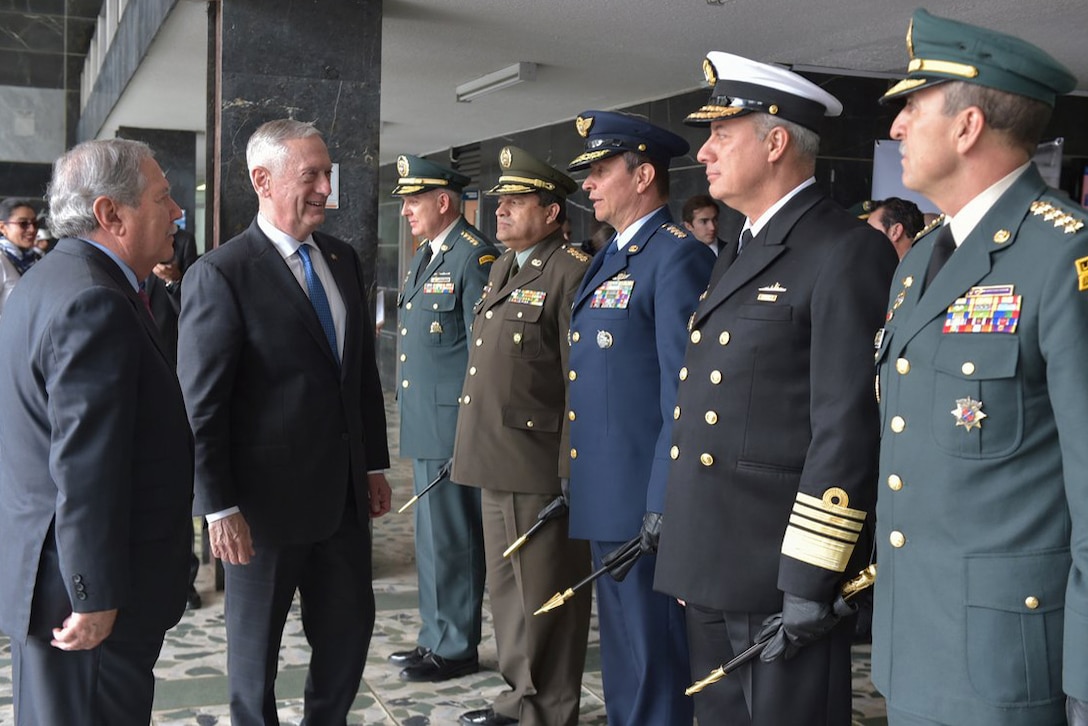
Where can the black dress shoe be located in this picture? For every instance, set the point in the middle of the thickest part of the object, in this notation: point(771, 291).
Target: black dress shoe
point(485, 717)
point(432, 668)
point(193, 601)
point(408, 657)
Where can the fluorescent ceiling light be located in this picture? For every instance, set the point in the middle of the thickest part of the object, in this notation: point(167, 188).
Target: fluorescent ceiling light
point(512, 75)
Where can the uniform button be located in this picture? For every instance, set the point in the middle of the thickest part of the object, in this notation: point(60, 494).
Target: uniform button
point(77, 578)
point(404, 331)
point(81, 595)
point(403, 357)
point(968, 368)
point(479, 342)
point(897, 538)
point(521, 314)
point(472, 371)
point(1031, 602)
point(572, 375)
point(724, 337)
point(715, 377)
point(467, 400)
point(574, 453)
point(674, 452)
point(683, 374)
point(898, 424)
point(696, 336)
point(81, 587)
point(706, 459)
point(711, 418)
point(408, 306)
point(676, 413)
point(895, 483)
point(435, 306)
point(571, 416)
point(404, 383)
point(528, 424)
point(902, 365)
point(517, 338)
point(489, 314)
point(575, 336)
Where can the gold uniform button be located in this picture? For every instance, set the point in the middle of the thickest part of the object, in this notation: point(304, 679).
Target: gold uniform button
point(674, 452)
point(528, 424)
point(570, 415)
point(467, 400)
point(898, 424)
point(479, 342)
point(572, 375)
point(711, 418)
point(408, 306)
point(897, 538)
point(968, 368)
point(724, 337)
point(472, 371)
point(1031, 602)
point(706, 459)
point(517, 338)
point(574, 453)
point(489, 314)
point(696, 336)
point(895, 483)
point(575, 336)
point(715, 377)
point(902, 365)
point(403, 357)
point(676, 413)
point(683, 374)
point(404, 383)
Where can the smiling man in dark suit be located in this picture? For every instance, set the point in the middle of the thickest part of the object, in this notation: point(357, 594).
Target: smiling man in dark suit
point(276, 357)
point(97, 460)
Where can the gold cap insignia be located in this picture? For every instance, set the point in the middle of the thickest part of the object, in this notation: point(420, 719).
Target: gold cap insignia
point(708, 72)
point(583, 123)
point(402, 165)
point(504, 157)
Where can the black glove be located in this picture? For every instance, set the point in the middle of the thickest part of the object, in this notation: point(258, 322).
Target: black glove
point(650, 534)
point(555, 508)
point(623, 557)
point(564, 488)
point(1076, 711)
point(801, 622)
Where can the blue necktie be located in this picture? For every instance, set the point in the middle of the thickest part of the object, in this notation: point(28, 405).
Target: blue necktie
point(612, 248)
point(319, 299)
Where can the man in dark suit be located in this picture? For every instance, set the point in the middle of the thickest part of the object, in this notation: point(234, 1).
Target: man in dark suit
point(446, 279)
point(511, 436)
point(96, 460)
point(627, 342)
point(981, 604)
point(774, 448)
point(276, 358)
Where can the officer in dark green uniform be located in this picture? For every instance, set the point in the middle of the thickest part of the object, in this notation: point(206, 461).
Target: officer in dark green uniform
point(445, 279)
point(981, 612)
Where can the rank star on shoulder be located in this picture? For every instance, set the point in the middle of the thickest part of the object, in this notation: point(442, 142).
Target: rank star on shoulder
point(968, 413)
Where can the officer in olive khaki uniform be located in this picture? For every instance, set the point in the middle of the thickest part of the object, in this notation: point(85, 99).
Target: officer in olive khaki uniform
point(981, 609)
point(445, 279)
point(510, 436)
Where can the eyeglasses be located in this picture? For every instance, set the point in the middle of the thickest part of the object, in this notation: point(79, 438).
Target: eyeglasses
point(24, 223)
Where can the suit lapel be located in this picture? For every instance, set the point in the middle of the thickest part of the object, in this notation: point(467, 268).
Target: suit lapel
point(530, 271)
point(758, 254)
point(971, 262)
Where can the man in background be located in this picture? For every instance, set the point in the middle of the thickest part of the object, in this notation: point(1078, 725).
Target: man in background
point(899, 219)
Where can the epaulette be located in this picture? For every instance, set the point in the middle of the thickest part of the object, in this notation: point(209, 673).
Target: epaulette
point(676, 231)
point(577, 253)
point(472, 239)
point(1057, 216)
point(930, 227)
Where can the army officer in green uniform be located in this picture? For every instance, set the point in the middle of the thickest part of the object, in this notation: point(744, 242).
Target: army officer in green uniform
point(510, 436)
point(445, 279)
point(981, 609)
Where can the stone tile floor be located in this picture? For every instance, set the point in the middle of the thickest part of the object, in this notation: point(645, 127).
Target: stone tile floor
point(191, 688)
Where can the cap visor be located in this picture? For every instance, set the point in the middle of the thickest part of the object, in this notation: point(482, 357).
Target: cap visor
point(710, 113)
point(910, 85)
point(584, 160)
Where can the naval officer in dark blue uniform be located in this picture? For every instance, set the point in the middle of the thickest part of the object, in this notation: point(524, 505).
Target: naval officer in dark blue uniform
point(627, 344)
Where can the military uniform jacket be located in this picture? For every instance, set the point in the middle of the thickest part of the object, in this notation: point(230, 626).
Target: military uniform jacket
point(627, 343)
point(512, 427)
point(775, 443)
point(435, 318)
point(983, 506)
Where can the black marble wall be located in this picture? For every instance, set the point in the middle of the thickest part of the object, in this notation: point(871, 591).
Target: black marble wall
point(311, 60)
point(176, 153)
point(24, 180)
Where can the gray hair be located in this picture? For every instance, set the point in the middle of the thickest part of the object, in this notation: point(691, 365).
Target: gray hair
point(806, 141)
point(266, 145)
point(1020, 118)
point(107, 168)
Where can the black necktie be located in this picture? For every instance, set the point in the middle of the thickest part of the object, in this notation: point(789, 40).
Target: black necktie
point(745, 238)
point(943, 247)
point(428, 252)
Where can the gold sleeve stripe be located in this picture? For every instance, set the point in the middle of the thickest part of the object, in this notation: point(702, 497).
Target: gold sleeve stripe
point(821, 516)
point(817, 528)
point(827, 506)
point(816, 550)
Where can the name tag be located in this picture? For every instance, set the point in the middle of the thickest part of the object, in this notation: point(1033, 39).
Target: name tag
point(613, 294)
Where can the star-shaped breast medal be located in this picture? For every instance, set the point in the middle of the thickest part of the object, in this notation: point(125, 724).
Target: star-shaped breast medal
point(968, 413)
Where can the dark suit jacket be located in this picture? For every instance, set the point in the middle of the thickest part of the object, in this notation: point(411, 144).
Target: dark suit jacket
point(512, 425)
point(775, 410)
point(281, 430)
point(166, 302)
point(624, 357)
point(94, 447)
